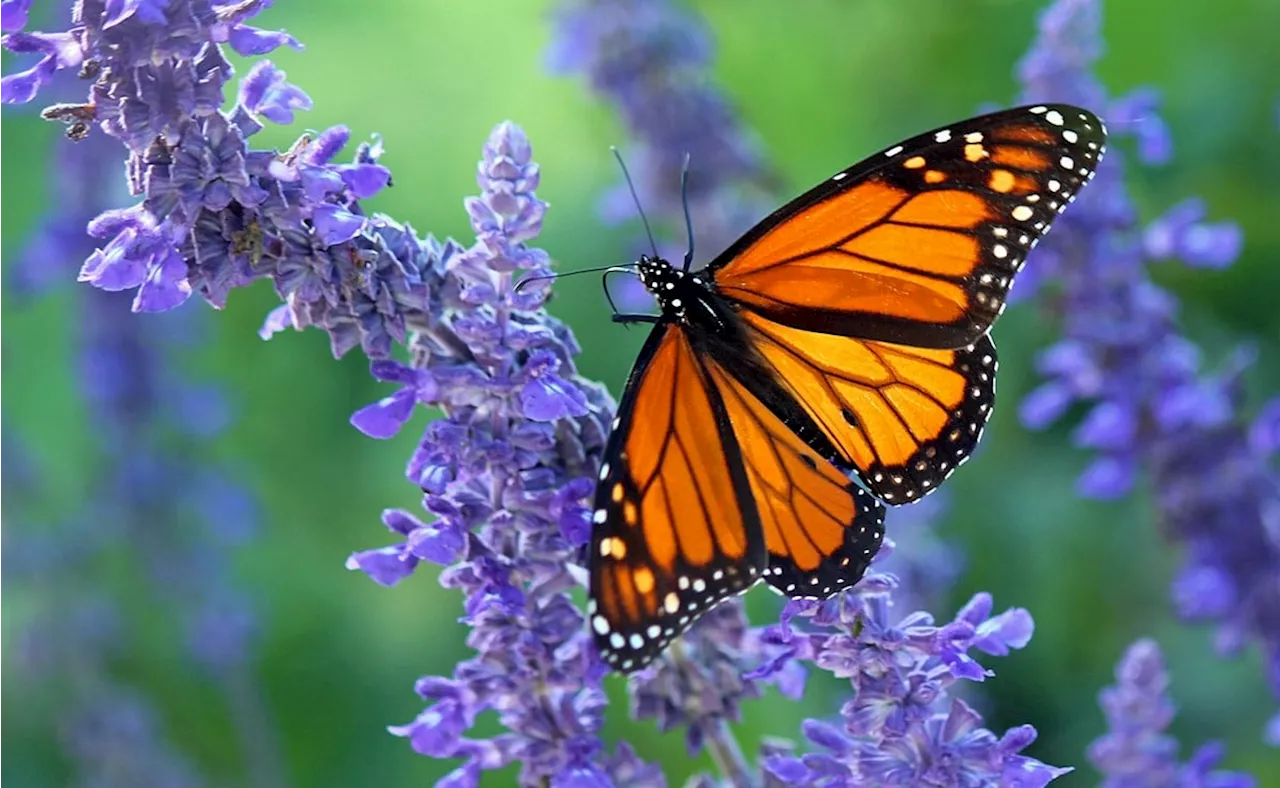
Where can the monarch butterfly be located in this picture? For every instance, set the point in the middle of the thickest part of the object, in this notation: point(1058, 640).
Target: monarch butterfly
point(843, 336)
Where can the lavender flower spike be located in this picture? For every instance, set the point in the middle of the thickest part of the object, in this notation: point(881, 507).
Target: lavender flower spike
point(505, 473)
point(1136, 752)
point(216, 214)
point(157, 500)
point(1152, 408)
point(901, 727)
point(651, 60)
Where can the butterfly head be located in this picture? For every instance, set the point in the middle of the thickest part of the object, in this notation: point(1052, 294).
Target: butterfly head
point(676, 291)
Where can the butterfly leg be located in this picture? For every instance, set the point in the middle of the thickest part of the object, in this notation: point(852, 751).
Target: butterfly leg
point(626, 319)
point(619, 317)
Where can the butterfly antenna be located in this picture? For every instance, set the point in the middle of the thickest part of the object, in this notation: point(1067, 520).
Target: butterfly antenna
point(684, 200)
point(636, 198)
point(541, 277)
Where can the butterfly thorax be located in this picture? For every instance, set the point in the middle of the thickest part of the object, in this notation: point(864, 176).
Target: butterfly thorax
point(683, 297)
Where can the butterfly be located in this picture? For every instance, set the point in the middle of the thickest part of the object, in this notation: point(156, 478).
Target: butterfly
point(832, 360)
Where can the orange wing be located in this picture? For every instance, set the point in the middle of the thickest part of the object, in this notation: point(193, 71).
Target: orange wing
point(701, 481)
point(905, 417)
point(821, 530)
point(676, 526)
point(919, 244)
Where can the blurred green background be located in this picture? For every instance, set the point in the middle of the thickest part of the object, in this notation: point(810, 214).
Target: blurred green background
point(822, 86)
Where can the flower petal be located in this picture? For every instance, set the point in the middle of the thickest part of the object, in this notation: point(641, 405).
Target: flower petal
point(13, 15)
point(384, 418)
point(386, 566)
point(251, 41)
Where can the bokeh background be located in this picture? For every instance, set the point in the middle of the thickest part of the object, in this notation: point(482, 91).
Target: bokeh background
point(335, 655)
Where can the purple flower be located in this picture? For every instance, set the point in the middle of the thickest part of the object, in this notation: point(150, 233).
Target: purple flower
point(901, 726)
point(1264, 436)
point(506, 474)
point(545, 396)
point(1136, 752)
point(1182, 233)
point(152, 500)
point(438, 542)
point(59, 50)
point(651, 61)
point(121, 735)
point(217, 214)
point(264, 91)
point(384, 418)
point(13, 15)
point(251, 41)
point(701, 684)
point(1153, 411)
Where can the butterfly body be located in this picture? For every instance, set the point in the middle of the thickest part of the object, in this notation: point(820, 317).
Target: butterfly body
point(682, 297)
point(833, 360)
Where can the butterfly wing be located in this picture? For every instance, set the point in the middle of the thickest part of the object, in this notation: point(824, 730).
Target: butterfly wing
point(704, 490)
point(820, 529)
point(918, 245)
point(676, 526)
point(904, 416)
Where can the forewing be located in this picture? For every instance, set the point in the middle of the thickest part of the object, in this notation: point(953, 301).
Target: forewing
point(920, 243)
